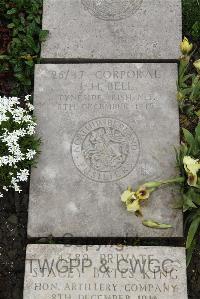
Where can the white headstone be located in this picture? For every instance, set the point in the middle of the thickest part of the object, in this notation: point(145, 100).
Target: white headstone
point(105, 272)
point(104, 127)
point(112, 29)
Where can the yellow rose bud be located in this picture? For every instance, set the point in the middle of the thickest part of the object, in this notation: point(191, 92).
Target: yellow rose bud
point(186, 46)
point(197, 65)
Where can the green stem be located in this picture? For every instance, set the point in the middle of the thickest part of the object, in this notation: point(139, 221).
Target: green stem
point(157, 184)
point(173, 180)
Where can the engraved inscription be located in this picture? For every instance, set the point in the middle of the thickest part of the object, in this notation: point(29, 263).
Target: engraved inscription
point(105, 272)
point(105, 91)
point(112, 10)
point(105, 149)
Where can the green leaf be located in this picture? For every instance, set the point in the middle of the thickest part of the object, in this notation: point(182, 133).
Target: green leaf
point(11, 11)
point(196, 30)
point(38, 19)
point(22, 19)
point(20, 77)
point(190, 251)
point(192, 231)
point(2, 57)
point(197, 200)
point(197, 113)
point(188, 137)
point(43, 35)
point(16, 40)
point(20, 3)
point(29, 63)
point(197, 130)
point(187, 202)
point(194, 195)
point(30, 42)
point(27, 82)
point(11, 25)
point(156, 225)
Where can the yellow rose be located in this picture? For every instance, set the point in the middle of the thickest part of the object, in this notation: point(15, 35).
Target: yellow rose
point(135, 207)
point(186, 46)
point(142, 193)
point(127, 195)
point(191, 166)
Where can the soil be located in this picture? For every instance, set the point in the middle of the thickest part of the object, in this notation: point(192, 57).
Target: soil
point(5, 83)
point(194, 275)
point(5, 39)
point(13, 222)
point(13, 241)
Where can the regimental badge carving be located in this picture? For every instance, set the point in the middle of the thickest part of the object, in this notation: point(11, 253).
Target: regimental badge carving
point(112, 10)
point(105, 149)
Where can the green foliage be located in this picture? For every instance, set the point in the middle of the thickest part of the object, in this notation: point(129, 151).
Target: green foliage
point(188, 86)
point(23, 18)
point(191, 18)
point(189, 81)
point(195, 32)
point(190, 195)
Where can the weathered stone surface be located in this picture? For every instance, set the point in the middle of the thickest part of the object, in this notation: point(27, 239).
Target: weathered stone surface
point(112, 29)
point(102, 272)
point(104, 127)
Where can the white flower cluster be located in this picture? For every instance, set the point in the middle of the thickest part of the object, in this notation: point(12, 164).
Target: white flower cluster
point(15, 123)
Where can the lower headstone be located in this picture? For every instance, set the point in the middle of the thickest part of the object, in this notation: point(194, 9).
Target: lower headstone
point(105, 272)
point(103, 127)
